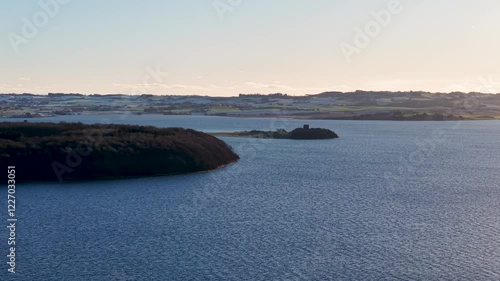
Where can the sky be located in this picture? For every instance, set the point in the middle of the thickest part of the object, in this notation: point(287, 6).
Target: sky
point(228, 47)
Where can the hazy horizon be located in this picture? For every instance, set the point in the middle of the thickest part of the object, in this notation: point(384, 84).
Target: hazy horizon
point(236, 95)
point(223, 48)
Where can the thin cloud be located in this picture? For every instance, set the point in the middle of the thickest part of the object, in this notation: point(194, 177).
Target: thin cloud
point(299, 91)
point(171, 86)
point(483, 85)
point(269, 86)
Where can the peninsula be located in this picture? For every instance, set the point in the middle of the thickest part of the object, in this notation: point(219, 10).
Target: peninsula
point(304, 133)
point(74, 151)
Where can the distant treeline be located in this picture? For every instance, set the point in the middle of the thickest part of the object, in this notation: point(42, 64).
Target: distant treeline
point(69, 151)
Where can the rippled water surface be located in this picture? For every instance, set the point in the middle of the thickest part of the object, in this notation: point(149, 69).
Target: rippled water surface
point(386, 201)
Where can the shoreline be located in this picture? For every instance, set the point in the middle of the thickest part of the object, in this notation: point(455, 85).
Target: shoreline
point(103, 179)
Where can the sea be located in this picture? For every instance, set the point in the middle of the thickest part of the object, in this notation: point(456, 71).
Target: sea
point(388, 200)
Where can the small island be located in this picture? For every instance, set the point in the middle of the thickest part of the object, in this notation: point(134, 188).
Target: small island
point(304, 133)
point(74, 151)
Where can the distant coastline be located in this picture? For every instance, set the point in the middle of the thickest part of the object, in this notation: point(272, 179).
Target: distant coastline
point(358, 105)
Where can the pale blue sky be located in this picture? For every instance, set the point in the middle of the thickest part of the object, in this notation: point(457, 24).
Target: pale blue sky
point(258, 46)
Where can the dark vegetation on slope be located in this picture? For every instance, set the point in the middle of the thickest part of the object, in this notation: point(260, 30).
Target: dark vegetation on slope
point(312, 134)
point(74, 151)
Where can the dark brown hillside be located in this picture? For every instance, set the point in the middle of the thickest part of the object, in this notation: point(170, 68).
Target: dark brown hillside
point(74, 151)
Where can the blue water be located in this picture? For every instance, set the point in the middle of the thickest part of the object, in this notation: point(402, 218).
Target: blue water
point(386, 201)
